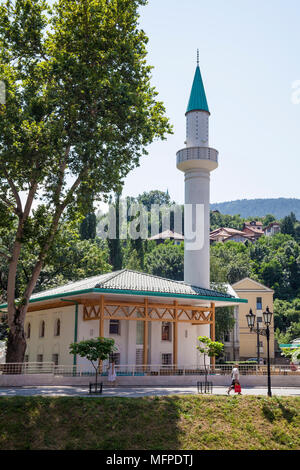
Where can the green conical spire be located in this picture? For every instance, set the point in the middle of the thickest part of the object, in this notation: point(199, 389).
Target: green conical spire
point(197, 101)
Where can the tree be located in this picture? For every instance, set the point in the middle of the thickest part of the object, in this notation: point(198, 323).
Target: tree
point(133, 261)
point(154, 197)
point(79, 113)
point(230, 262)
point(288, 224)
point(268, 218)
point(68, 259)
point(88, 227)
point(95, 350)
point(166, 260)
point(114, 244)
point(224, 321)
point(209, 348)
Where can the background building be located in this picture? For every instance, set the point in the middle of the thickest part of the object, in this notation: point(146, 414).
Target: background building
point(259, 298)
point(272, 229)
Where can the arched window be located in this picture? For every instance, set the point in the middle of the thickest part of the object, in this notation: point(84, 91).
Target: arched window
point(42, 329)
point(57, 328)
point(28, 330)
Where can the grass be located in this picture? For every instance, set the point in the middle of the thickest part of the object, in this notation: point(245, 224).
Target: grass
point(154, 423)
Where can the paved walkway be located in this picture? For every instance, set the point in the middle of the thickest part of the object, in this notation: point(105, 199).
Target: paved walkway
point(133, 392)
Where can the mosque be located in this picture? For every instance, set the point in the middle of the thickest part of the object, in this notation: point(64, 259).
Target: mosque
point(153, 320)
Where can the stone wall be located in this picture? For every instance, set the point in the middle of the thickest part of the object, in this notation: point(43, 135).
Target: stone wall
point(189, 380)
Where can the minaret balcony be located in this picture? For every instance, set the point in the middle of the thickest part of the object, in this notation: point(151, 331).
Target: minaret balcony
point(204, 158)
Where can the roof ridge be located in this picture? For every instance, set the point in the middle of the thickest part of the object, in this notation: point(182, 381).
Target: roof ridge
point(113, 275)
point(154, 275)
point(167, 279)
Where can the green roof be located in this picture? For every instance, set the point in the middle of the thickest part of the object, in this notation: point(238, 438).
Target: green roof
point(197, 101)
point(131, 282)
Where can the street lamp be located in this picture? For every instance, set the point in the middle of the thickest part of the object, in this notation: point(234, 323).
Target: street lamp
point(265, 332)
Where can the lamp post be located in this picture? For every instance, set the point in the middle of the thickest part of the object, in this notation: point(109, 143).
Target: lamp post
point(265, 332)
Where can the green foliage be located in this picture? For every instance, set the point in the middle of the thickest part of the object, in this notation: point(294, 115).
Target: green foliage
point(166, 260)
point(224, 321)
point(69, 259)
point(278, 264)
point(288, 223)
point(133, 261)
point(114, 244)
point(224, 220)
point(291, 353)
point(209, 348)
point(94, 349)
point(154, 197)
point(88, 227)
point(230, 262)
point(3, 329)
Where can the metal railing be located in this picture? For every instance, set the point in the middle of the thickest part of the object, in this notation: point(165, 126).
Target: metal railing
point(197, 153)
point(144, 370)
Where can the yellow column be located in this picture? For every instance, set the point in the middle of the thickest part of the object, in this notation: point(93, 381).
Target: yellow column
point(101, 319)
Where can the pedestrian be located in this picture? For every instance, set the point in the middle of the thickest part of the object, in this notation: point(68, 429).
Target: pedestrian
point(112, 376)
point(235, 379)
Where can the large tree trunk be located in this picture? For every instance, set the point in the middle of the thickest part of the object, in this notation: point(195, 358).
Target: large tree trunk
point(16, 342)
point(16, 345)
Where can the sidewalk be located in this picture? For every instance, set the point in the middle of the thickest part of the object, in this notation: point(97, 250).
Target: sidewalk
point(133, 392)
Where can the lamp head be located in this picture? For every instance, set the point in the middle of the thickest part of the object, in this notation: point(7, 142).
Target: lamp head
point(250, 319)
point(267, 316)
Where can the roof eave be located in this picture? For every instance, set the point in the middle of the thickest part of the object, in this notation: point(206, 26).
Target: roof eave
point(134, 292)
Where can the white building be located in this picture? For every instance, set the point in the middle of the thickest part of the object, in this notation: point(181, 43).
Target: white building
point(153, 320)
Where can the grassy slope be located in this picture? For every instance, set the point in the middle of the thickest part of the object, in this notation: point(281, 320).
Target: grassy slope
point(152, 423)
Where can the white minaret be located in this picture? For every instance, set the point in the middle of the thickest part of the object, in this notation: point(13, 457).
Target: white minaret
point(197, 160)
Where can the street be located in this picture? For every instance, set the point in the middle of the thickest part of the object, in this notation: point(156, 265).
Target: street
point(134, 392)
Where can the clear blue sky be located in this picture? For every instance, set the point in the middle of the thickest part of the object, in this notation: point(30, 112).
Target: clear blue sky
point(249, 58)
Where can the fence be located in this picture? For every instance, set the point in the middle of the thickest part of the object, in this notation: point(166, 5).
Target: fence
point(143, 370)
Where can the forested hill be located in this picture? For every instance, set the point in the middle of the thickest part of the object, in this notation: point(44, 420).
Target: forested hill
point(279, 207)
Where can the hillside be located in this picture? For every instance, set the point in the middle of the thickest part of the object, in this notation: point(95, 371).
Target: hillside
point(279, 207)
point(175, 422)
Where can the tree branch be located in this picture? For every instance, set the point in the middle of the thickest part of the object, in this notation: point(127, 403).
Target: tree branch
point(52, 231)
point(10, 205)
point(14, 190)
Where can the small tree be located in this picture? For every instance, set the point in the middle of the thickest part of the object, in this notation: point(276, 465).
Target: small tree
point(96, 349)
point(209, 348)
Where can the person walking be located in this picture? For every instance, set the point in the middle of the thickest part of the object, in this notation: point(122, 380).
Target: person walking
point(235, 379)
point(112, 376)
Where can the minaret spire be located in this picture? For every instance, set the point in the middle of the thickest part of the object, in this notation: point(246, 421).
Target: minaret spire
point(197, 160)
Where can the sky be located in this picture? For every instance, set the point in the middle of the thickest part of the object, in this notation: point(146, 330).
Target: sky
point(249, 59)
